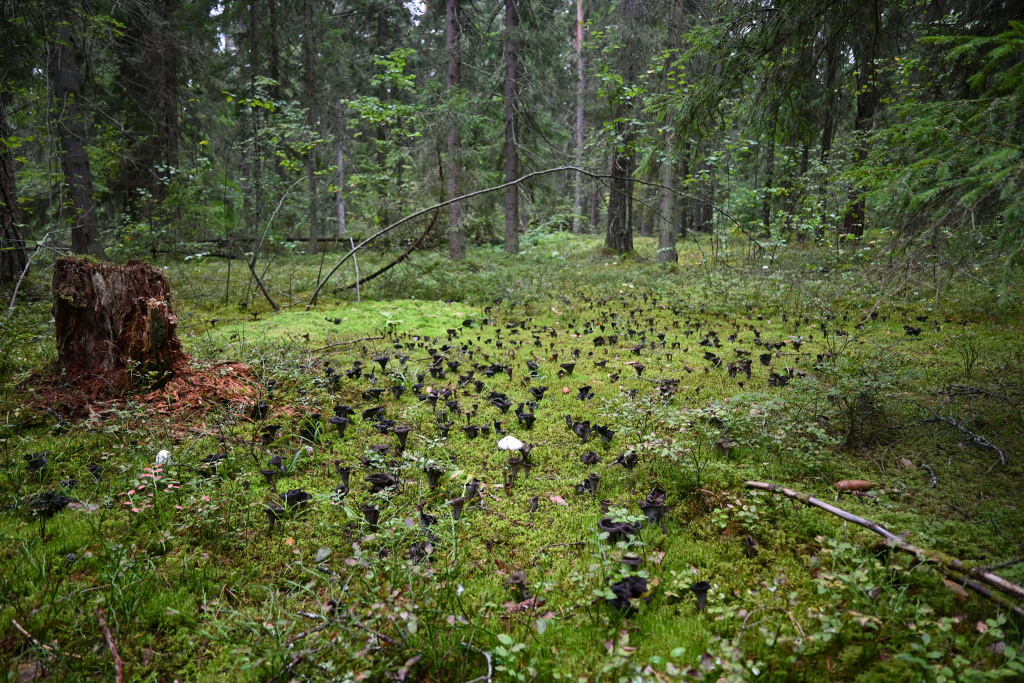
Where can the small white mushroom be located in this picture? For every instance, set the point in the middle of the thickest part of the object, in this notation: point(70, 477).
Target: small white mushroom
point(510, 443)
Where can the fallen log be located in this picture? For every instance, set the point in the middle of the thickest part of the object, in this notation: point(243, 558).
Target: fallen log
point(945, 562)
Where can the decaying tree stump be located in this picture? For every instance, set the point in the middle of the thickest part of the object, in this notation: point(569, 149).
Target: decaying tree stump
point(115, 326)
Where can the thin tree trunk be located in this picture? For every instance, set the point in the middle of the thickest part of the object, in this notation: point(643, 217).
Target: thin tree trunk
point(274, 51)
point(78, 189)
point(511, 128)
point(456, 230)
point(340, 199)
point(769, 179)
point(644, 206)
point(666, 230)
point(683, 206)
point(13, 256)
point(149, 73)
point(828, 128)
point(867, 103)
point(309, 91)
point(581, 87)
point(620, 233)
point(619, 236)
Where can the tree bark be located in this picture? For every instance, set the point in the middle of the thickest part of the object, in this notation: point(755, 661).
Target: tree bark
point(453, 38)
point(309, 94)
point(115, 326)
point(619, 236)
point(867, 103)
point(70, 122)
point(13, 255)
point(150, 64)
point(340, 199)
point(769, 180)
point(273, 50)
point(581, 87)
point(666, 229)
point(511, 128)
point(620, 233)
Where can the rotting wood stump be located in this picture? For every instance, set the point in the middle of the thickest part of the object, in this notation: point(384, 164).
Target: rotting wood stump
point(115, 326)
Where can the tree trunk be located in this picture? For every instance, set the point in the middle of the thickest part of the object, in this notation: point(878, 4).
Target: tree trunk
point(309, 92)
point(456, 230)
point(511, 128)
point(273, 51)
point(13, 256)
point(619, 236)
point(867, 103)
point(769, 179)
point(620, 233)
point(115, 326)
point(683, 206)
point(78, 191)
point(666, 229)
point(666, 223)
point(149, 71)
point(340, 199)
point(581, 86)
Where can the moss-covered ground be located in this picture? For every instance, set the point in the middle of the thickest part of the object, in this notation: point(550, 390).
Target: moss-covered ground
point(195, 585)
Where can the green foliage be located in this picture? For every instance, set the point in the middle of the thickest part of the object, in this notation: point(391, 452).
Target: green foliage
point(954, 166)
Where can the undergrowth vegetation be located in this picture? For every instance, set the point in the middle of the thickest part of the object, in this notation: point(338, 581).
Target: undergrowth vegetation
point(268, 543)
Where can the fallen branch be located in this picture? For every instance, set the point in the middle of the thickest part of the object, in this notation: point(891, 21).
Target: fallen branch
point(984, 592)
point(35, 641)
point(976, 439)
point(931, 473)
point(345, 343)
point(259, 281)
point(517, 181)
point(1004, 565)
point(412, 247)
point(552, 545)
point(961, 390)
point(111, 645)
point(487, 656)
point(28, 264)
point(945, 562)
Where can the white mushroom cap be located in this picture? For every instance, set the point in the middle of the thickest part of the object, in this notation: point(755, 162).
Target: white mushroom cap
point(510, 443)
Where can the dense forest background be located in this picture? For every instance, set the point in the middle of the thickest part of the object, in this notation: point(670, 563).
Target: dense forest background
point(153, 127)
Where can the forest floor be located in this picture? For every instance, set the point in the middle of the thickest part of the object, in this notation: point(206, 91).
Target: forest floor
point(177, 557)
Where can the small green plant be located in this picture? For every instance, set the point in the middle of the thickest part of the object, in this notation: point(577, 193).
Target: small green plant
point(968, 350)
point(512, 659)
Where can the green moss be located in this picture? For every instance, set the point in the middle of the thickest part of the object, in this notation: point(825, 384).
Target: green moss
point(200, 589)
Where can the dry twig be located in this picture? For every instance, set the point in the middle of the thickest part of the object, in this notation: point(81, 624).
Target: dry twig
point(111, 645)
point(945, 562)
point(553, 545)
point(487, 656)
point(345, 343)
